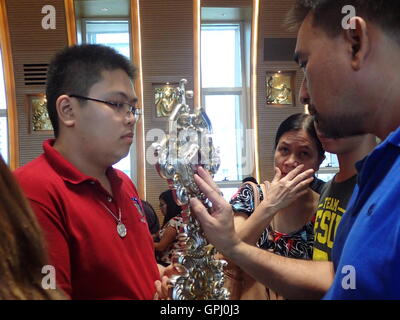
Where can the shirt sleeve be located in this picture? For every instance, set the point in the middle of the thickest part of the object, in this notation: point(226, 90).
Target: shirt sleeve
point(56, 239)
point(243, 200)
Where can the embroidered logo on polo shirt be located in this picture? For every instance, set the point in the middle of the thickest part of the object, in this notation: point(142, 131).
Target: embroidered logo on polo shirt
point(139, 208)
point(371, 209)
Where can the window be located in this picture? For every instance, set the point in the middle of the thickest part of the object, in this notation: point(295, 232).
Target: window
point(3, 115)
point(224, 97)
point(221, 56)
point(110, 33)
point(329, 167)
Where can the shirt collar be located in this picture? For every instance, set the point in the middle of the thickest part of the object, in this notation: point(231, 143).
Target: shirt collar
point(394, 138)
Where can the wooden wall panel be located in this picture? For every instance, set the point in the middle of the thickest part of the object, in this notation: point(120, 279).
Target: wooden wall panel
point(272, 14)
point(31, 44)
point(167, 56)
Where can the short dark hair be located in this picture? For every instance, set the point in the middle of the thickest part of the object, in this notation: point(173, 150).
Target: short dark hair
point(297, 122)
point(172, 208)
point(250, 179)
point(151, 217)
point(75, 69)
point(327, 14)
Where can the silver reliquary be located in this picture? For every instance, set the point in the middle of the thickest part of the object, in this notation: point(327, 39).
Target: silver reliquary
point(187, 145)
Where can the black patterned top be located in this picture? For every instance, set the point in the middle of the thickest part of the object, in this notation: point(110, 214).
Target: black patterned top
point(296, 244)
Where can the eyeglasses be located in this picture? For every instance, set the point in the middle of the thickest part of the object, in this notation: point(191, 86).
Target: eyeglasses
point(119, 106)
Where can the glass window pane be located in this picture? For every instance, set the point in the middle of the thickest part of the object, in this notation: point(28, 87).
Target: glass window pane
point(96, 26)
point(3, 101)
point(124, 164)
point(112, 38)
point(222, 110)
point(330, 161)
point(4, 138)
point(114, 34)
point(325, 176)
point(3, 115)
point(118, 41)
point(220, 56)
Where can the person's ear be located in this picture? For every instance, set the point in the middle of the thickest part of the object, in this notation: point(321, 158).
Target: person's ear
point(65, 110)
point(358, 41)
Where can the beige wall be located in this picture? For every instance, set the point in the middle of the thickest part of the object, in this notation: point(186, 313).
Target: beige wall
point(271, 18)
point(31, 44)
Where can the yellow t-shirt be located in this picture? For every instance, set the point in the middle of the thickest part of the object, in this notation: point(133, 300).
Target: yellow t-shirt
point(332, 205)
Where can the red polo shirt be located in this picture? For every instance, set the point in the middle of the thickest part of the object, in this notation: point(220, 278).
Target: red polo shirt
point(92, 261)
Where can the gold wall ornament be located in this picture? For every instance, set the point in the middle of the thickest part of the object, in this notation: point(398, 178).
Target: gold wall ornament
point(39, 117)
point(187, 145)
point(165, 100)
point(279, 88)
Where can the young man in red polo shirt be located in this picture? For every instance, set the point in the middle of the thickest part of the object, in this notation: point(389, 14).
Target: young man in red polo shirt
point(92, 217)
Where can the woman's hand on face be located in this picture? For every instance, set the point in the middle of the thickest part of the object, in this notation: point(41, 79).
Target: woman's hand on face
point(282, 191)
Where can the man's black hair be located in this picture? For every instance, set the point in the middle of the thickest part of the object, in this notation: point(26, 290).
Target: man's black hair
point(327, 14)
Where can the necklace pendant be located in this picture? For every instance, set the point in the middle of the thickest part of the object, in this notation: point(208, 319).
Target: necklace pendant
point(121, 229)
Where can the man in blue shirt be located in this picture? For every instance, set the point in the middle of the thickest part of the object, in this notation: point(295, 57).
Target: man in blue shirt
point(366, 250)
point(348, 50)
point(333, 46)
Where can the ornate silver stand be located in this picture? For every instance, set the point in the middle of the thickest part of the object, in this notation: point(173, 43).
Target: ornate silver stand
point(189, 145)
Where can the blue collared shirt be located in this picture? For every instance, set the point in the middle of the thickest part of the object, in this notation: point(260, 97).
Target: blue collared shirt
point(366, 252)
